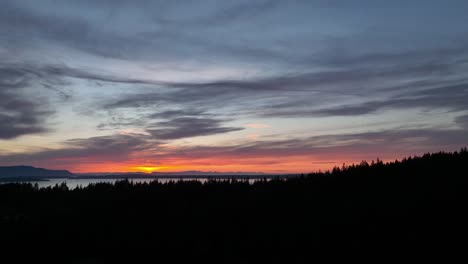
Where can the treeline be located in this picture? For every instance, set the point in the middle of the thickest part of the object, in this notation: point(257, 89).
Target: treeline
point(414, 205)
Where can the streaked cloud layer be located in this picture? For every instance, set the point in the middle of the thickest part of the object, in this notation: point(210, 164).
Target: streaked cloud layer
point(275, 86)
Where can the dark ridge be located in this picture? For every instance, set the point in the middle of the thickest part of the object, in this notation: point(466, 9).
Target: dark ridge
point(19, 172)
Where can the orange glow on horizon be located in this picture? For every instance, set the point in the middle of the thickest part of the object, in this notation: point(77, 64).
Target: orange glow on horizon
point(220, 164)
point(224, 162)
point(146, 169)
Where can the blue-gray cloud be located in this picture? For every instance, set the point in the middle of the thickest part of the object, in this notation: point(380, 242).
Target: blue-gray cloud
point(184, 127)
point(433, 84)
point(311, 59)
point(462, 121)
point(20, 114)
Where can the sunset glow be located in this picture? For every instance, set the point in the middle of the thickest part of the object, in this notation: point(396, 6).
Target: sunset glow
point(146, 169)
point(245, 131)
point(236, 86)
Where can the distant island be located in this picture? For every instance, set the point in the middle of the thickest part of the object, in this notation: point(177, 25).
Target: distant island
point(26, 173)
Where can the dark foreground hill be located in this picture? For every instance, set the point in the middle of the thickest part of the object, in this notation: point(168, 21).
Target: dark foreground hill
point(415, 206)
point(23, 172)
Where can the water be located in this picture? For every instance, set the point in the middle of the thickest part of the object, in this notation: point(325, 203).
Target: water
point(73, 183)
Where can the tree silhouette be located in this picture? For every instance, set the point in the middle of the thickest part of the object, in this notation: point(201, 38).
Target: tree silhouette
point(416, 204)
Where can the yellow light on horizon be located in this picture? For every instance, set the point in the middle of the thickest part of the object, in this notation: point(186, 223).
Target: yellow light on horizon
point(148, 169)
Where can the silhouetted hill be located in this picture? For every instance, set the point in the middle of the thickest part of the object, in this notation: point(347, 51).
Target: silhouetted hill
point(32, 172)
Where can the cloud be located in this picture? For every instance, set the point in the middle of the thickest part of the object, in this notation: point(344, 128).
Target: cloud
point(120, 30)
point(329, 75)
point(199, 108)
point(453, 97)
point(184, 127)
point(311, 151)
point(281, 60)
point(462, 121)
point(20, 113)
point(174, 124)
point(387, 144)
point(115, 145)
point(257, 125)
point(112, 148)
point(357, 91)
point(169, 114)
point(41, 27)
point(226, 14)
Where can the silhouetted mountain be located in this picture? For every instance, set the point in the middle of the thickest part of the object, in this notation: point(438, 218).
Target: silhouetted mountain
point(32, 172)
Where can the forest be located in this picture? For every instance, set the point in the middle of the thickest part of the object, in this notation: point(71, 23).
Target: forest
point(417, 204)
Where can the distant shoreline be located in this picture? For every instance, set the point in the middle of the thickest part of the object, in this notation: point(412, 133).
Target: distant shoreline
point(27, 179)
point(201, 176)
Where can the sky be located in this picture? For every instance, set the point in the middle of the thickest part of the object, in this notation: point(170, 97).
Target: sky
point(230, 86)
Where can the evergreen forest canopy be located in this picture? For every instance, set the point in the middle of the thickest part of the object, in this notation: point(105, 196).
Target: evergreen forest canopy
point(416, 204)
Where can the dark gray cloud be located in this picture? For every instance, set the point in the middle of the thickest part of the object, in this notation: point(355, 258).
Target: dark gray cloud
point(20, 113)
point(231, 13)
point(20, 117)
point(453, 98)
point(25, 106)
point(22, 25)
point(351, 70)
point(174, 124)
point(462, 121)
point(172, 39)
point(427, 85)
point(184, 127)
point(261, 31)
point(87, 74)
point(113, 148)
point(170, 114)
point(289, 95)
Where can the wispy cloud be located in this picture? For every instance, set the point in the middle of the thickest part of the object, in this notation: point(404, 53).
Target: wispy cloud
point(20, 113)
point(318, 152)
point(184, 127)
point(121, 81)
point(257, 125)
